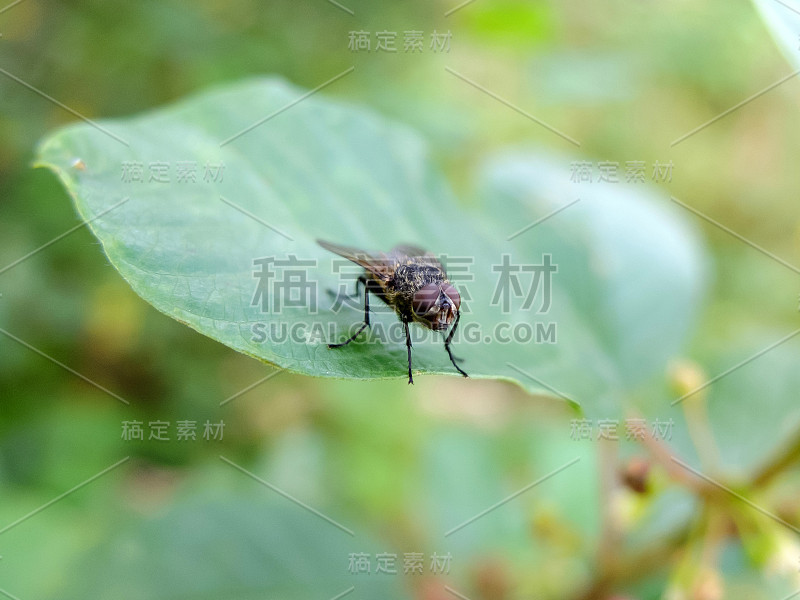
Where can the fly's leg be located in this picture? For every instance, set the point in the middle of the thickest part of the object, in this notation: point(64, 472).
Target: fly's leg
point(335, 295)
point(447, 341)
point(408, 347)
point(453, 356)
point(365, 324)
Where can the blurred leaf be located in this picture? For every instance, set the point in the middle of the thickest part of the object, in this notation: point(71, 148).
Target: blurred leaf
point(628, 261)
point(52, 537)
point(783, 21)
point(749, 412)
point(469, 484)
point(753, 411)
point(234, 549)
point(587, 77)
point(743, 580)
point(462, 478)
point(628, 268)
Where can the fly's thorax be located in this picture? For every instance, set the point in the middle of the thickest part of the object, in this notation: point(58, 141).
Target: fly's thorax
point(410, 277)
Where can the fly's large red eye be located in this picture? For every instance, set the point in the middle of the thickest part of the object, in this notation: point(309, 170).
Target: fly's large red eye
point(425, 298)
point(453, 294)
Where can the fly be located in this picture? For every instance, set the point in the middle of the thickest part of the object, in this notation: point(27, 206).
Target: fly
point(413, 283)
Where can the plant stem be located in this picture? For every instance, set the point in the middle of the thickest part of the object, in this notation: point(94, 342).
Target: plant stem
point(778, 463)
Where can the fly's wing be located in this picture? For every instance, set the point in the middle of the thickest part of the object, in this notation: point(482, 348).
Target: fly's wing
point(379, 265)
point(408, 250)
point(403, 252)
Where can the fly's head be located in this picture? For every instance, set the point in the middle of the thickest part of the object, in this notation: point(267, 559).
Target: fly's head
point(436, 305)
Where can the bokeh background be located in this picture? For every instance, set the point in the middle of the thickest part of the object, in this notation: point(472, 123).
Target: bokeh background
point(395, 464)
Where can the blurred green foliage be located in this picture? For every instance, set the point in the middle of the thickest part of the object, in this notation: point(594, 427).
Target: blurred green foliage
point(398, 465)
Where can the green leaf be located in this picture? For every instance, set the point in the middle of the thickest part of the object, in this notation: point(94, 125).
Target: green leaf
point(752, 409)
point(466, 472)
point(783, 21)
point(231, 548)
point(629, 269)
point(628, 263)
